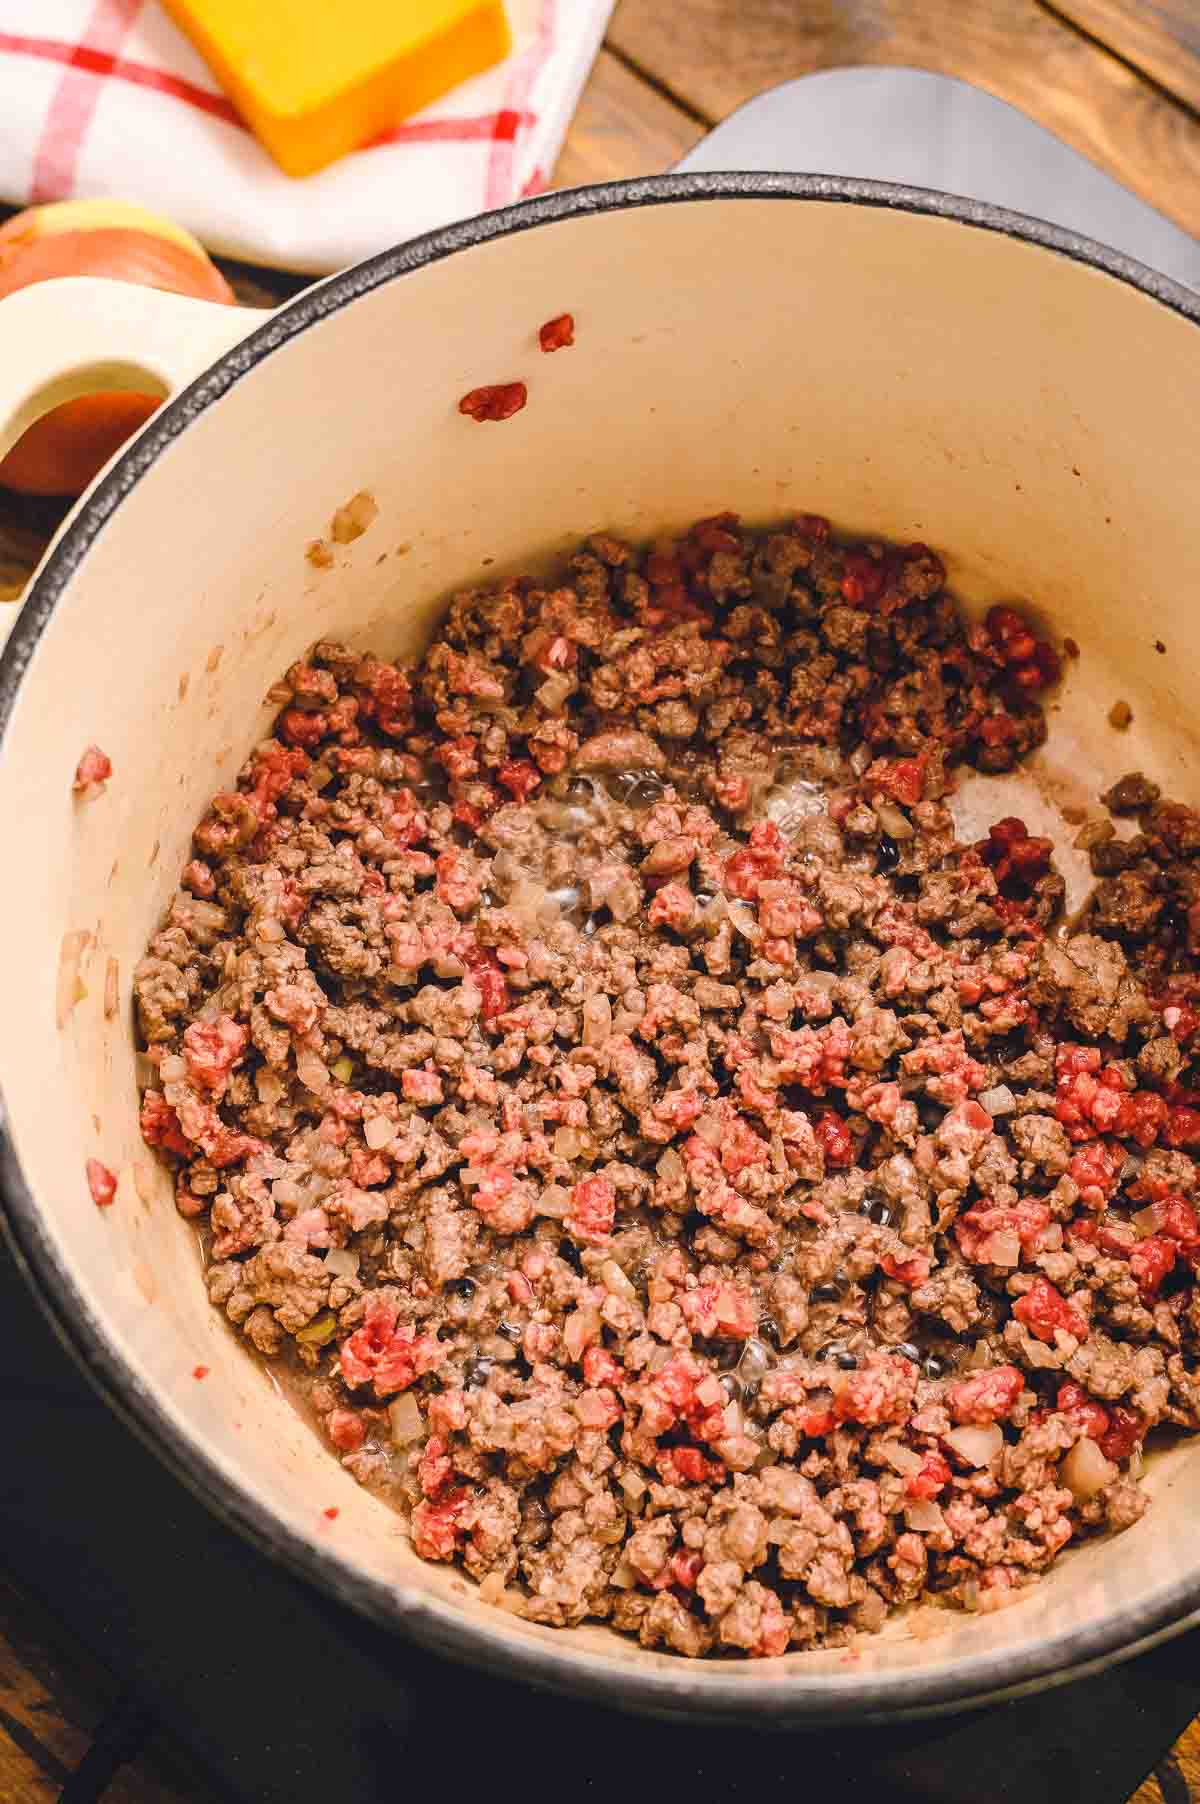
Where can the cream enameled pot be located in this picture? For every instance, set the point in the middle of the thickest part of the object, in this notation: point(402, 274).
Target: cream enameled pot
point(903, 362)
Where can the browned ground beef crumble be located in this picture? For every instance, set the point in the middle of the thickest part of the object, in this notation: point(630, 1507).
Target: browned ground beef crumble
point(705, 1194)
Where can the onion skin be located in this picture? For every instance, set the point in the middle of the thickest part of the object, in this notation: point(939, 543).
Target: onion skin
point(61, 453)
point(113, 251)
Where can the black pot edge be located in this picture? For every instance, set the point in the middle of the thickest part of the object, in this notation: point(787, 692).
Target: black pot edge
point(680, 1689)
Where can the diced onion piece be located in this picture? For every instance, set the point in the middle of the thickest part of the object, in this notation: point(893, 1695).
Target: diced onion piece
point(569, 1142)
point(1144, 1222)
point(905, 1460)
point(925, 1516)
point(555, 1202)
point(744, 921)
point(999, 1100)
point(405, 1419)
point(670, 1166)
point(343, 1069)
point(316, 1188)
point(70, 988)
point(1085, 1470)
point(893, 820)
point(319, 776)
point(340, 1262)
point(755, 1360)
point(597, 1020)
point(320, 1331)
point(624, 1577)
point(379, 1132)
point(1001, 1248)
point(710, 1129)
point(617, 1284)
point(491, 1589)
point(633, 1486)
point(709, 1392)
point(977, 1445)
point(312, 1070)
point(352, 520)
point(978, 1357)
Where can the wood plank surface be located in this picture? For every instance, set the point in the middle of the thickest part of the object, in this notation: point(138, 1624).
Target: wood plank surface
point(1016, 49)
point(622, 128)
point(1176, 1779)
point(53, 1698)
point(1159, 37)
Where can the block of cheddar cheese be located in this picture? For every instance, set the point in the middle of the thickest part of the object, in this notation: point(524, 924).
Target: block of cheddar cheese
point(316, 78)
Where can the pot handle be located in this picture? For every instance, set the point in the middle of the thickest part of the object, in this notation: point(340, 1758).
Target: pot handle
point(78, 335)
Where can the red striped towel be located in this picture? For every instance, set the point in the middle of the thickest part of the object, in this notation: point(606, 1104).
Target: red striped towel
point(107, 97)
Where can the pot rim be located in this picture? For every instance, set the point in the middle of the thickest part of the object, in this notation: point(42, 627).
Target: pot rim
point(677, 1687)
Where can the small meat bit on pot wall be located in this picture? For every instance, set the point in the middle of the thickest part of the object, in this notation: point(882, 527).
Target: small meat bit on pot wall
point(92, 772)
point(724, 1218)
point(495, 401)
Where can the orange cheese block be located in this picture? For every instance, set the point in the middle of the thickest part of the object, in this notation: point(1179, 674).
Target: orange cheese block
point(316, 78)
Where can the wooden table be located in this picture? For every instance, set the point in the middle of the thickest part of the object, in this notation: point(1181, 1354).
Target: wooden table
point(1118, 79)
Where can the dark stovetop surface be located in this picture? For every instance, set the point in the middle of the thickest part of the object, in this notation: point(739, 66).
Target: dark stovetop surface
point(287, 1698)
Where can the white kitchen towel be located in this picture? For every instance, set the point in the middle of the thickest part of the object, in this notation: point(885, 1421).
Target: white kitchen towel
point(107, 97)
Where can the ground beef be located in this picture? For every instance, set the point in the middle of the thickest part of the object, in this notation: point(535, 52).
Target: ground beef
point(1131, 794)
point(1086, 978)
point(658, 1156)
